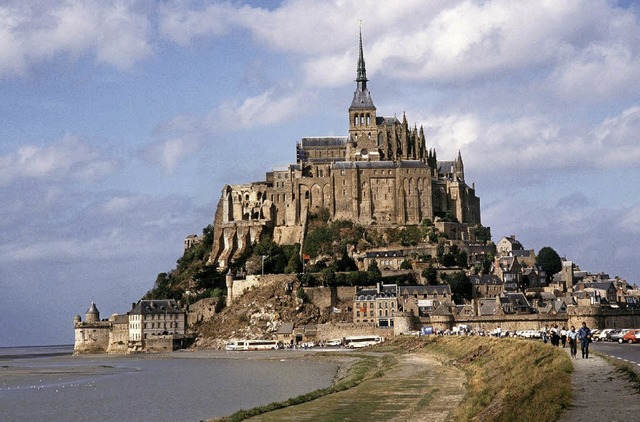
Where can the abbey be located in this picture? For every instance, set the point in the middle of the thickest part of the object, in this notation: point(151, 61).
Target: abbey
point(380, 174)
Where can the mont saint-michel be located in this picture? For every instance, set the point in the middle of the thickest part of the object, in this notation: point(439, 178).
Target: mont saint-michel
point(367, 235)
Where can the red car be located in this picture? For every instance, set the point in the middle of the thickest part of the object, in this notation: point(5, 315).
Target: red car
point(632, 336)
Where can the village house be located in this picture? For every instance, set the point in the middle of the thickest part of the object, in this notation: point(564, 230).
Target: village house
point(486, 286)
point(151, 319)
point(376, 305)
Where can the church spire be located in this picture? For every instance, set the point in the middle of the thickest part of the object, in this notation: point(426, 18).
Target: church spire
point(362, 97)
point(361, 78)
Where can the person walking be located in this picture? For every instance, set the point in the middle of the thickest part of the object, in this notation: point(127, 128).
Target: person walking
point(563, 336)
point(572, 335)
point(584, 334)
point(555, 338)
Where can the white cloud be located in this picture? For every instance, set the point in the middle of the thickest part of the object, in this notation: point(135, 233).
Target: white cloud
point(530, 144)
point(267, 108)
point(181, 24)
point(69, 158)
point(116, 32)
point(170, 152)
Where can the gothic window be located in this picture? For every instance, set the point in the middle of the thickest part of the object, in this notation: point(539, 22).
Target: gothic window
point(361, 119)
point(369, 122)
point(355, 120)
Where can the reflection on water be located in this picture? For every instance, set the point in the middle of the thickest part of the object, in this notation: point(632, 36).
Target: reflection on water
point(173, 387)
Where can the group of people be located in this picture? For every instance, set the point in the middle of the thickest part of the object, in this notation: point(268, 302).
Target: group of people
point(583, 335)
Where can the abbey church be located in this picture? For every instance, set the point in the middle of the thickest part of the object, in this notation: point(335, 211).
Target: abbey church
point(380, 174)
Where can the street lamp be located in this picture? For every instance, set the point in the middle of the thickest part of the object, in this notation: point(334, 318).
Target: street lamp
point(263, 258)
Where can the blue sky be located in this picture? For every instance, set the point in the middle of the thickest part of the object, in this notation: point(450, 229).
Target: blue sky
point(120, 121)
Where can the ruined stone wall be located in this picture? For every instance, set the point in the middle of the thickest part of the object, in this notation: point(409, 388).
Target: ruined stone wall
point(241, 286)
point(202, 310)
point(345, 294)
point(322, 297)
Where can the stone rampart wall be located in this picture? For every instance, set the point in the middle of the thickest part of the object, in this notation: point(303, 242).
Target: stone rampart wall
point(158, 344)
point(118, 338)
point(91, 337)
point(333, 331)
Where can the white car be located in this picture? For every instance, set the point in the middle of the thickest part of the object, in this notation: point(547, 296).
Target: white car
point(333, 342)
point(603, 335)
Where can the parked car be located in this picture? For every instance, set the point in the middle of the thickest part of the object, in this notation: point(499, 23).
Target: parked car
point(604, 334)
point(632, 336)
point(618, 336)
point(333, 342)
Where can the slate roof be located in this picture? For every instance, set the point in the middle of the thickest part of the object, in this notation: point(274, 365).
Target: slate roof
point(441, 290)
point(385, 254)
point(155, 307)
point(600, 285)
point(324, 141)
point(379, 164)
point(285, 328)
point(389, 121)
point(488, 307)
point(485, 279)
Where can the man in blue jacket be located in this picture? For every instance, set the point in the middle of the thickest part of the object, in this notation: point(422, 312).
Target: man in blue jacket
point(584, 334)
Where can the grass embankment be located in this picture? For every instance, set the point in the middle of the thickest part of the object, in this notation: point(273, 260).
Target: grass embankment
point(506, 379)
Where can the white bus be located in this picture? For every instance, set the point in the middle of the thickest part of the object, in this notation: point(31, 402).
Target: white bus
point(356, 342)
point(252, 345)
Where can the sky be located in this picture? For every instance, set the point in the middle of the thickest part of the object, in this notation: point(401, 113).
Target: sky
point(121, 121)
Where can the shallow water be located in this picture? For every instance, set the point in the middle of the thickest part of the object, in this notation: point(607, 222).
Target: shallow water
point(171, 387)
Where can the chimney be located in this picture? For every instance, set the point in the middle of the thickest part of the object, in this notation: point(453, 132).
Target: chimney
point(378, 286)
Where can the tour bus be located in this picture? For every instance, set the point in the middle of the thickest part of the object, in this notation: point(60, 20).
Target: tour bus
point(356, 342)
point(252, 345)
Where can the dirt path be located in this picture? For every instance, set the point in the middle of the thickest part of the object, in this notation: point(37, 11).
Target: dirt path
point(601, 393)
point(418, 388)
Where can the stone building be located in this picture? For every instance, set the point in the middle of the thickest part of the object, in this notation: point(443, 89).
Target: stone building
point(96, 336)
point(377, 305)
point(149, 320)
point(381, 174)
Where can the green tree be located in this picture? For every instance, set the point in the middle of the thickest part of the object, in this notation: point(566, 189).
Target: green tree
point(461, 259)
point(431, 274)
point(294, 265)
point(329, 276)
point(549, 260)
point(406, 265)
point(461, 287)
point(440, 251)
point(373, 272)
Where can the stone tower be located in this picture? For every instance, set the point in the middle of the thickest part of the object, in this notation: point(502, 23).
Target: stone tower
point(229, 281)
point(363, 130)
point(92, 315)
